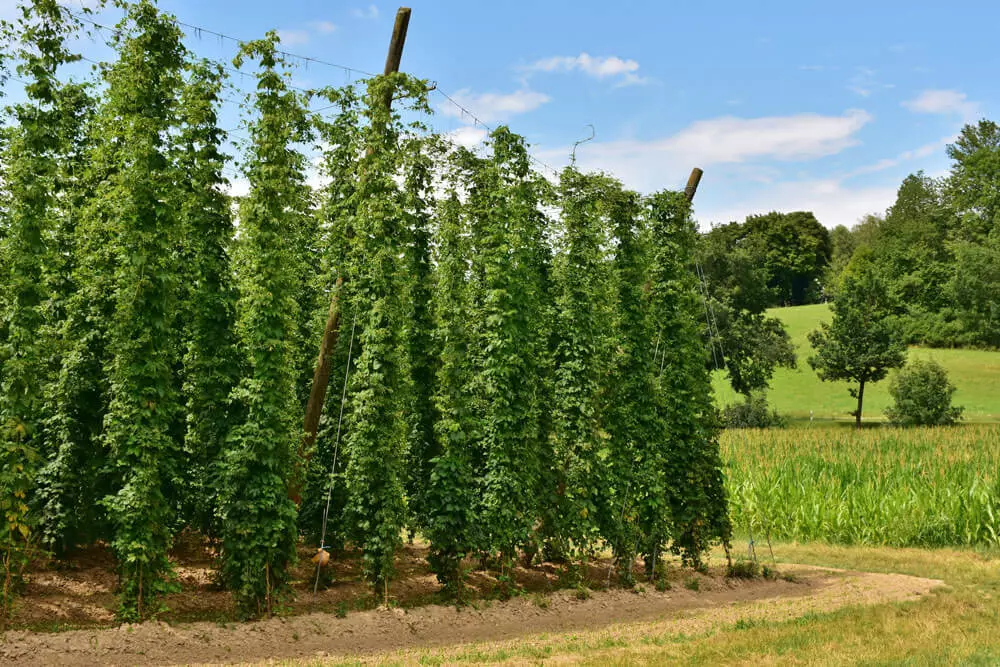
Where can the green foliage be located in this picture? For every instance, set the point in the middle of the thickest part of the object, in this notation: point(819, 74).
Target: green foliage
point(29, 205)
point(418, 332)
point(752, 412)
point(634, 492)
point(376, 429)
point(922, 393)
point(257, 517)
point(451, 501)
point(937, 246)
point(735, 286)
point(143, 338)
point(508, 311)
point(915, 487)
point(523, 371)
point(795, 249)
point(694, 472)
point(582, 326)
point(210, 366)
point(76, 475)
point(864, 340)
point(973, 186)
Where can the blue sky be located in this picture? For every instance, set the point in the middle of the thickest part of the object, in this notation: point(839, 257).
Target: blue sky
point(786, 105)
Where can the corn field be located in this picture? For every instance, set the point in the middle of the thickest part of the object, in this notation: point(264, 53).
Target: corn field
point(925, 487)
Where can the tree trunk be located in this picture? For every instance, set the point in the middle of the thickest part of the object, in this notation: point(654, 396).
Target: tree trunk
point(861, 398)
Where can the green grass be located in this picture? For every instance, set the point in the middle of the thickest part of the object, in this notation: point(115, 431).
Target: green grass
point(799, 392)
point(928, 487)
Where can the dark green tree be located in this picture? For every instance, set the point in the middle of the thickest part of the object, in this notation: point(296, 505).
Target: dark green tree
point(973, 186)
point(864, 340)
point(742, 338)
point(796, 249)
point(912, 252)
point(973, 191)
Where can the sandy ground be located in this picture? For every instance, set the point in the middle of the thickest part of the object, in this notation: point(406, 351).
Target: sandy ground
point(374, 633)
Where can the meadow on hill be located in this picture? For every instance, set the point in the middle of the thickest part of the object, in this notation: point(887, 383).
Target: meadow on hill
point(799, 393)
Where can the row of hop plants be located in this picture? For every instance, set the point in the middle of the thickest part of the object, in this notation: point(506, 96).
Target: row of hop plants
point(521, 360)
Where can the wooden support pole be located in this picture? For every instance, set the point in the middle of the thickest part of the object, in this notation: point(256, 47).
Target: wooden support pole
point(693, 181)
point(321, 376)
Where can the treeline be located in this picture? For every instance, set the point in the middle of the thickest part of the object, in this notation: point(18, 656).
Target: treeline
point(745, 268)
point(937, 247)
point(518, 371)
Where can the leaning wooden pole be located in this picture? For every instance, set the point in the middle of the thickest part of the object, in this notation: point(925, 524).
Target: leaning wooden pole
point(321, 376)
point(693, 181)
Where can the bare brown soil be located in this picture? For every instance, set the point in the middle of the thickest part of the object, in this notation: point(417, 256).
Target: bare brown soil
point(343, 620)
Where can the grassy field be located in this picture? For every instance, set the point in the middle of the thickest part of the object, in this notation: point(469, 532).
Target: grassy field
point(927, 487)
point(799, 392)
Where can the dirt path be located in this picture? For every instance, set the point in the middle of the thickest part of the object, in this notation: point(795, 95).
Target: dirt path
point(379, 631)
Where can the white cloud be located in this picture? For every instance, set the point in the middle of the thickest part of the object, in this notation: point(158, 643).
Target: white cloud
point(293, 37)
point(746, 150)
point(887, 163)
point(801, 136)
point(831, 200)
point(323, 27)
point(726, 140)
point(370, 12)
point(468, 136)
point(492, 107)
point(946, 102)
point(598, 67)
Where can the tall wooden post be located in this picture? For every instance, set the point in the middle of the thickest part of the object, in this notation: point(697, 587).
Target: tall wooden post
point(693, 181)
point(321, 376)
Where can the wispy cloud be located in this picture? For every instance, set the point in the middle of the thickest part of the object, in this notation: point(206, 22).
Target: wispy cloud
point(492, 107)
point(323, 27)
point(945, 102)
point(726, 140)
point(833, 202)
point(752, 148)
point(298, 37)
point(370, 12)
point(598, 67)
point(293, 37)
point(906, 156)
point(862, 82)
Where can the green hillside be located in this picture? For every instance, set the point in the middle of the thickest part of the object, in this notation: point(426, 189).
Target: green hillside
point(797, 392)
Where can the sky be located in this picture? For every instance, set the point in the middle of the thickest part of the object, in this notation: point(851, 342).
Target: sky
point(785, 105)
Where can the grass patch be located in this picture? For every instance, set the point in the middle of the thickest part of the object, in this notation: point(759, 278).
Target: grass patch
point(798, 392)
